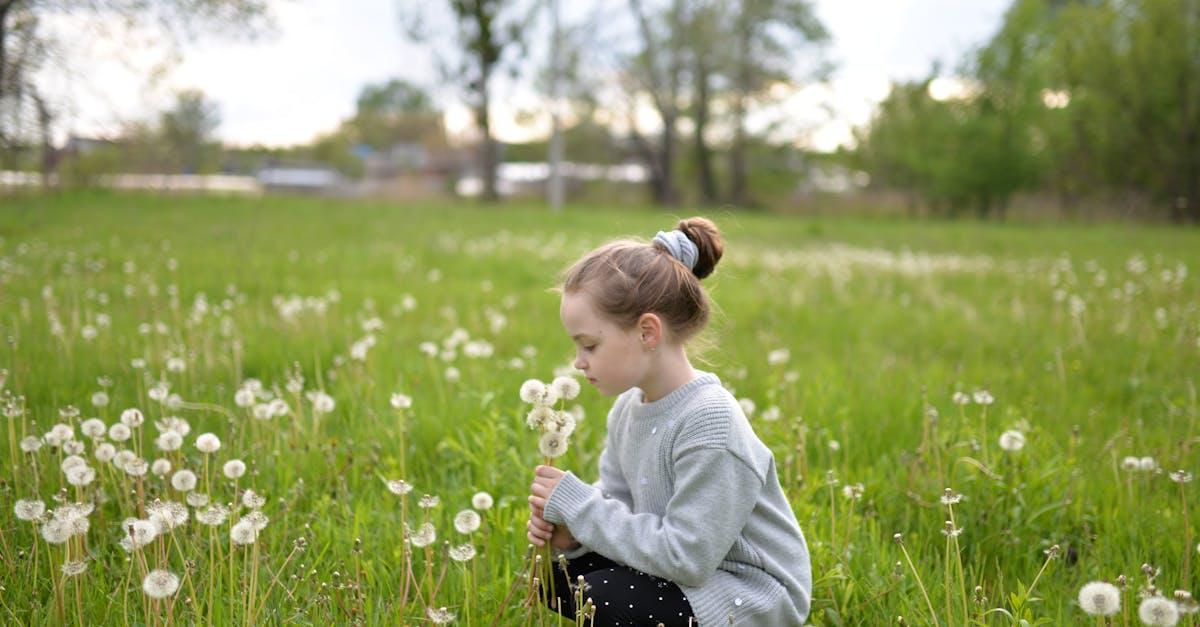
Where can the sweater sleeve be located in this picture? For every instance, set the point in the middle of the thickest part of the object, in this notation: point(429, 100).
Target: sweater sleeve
point(715, 492)
point(611, 484)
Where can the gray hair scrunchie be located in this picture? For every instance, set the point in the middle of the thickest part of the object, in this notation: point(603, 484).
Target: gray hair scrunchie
point(677, 243)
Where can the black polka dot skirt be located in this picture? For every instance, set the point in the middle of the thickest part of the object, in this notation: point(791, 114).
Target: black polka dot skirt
point(622, 595)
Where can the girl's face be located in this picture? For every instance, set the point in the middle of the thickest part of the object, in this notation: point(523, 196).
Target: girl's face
point(613, 359)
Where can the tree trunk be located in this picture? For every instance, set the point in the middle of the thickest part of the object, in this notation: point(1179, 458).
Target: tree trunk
point(487, 149)
point(5, 7)
point(708, 184)
point(737, 152)
point(48, 154)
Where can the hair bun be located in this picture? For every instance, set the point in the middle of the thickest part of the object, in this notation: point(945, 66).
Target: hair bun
point(707, 238)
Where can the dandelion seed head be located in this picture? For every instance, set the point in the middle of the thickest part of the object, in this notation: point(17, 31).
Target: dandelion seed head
point(132, 418)
point(1100, 598)
point(183, 480)
point(70, 462)
point(1158, 611)
point(1012, 440)
point(119, 432)
point(104, 452)
point(1147, 464)
point(136, 467)
point(1130, 463)
point(950, 497)
point(539, 417)
point(243, 532)
point(213, 516)
point(253, 500)
point(467, 521)
point(258, 519)
point(1181, 476)
point(482, 501)
point(462, 553)
point(439, 616)
point(160, 467)
point(73, 568)
point(234, 468)
point(29, 509)
point(552, 444)
point(401, 401)
point(30, 444)
point(56, 531)
point(196, 499)
point(93, 428)
point(398, 486)
point(244, 397)
point(567, 388)
point(99, 399)
point(81, 475)
point(427, 501)
point(208, 443)
point(160, 584)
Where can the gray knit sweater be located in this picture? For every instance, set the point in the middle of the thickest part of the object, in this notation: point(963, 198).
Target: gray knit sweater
point(688, 493)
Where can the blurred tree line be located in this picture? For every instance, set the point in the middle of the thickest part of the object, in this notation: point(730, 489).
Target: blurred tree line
point(1085, 100)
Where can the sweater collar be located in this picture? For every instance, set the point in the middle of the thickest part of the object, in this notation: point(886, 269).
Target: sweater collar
point(640, 409)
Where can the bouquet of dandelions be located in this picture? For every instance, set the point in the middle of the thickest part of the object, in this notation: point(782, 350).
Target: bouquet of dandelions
point(555, 425)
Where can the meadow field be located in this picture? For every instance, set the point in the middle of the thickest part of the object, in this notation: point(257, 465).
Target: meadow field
point(225, 411)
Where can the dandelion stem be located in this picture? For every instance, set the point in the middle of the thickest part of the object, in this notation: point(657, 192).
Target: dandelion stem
point(917, 576)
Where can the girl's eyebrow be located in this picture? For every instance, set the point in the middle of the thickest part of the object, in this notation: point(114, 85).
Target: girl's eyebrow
point(579, 335)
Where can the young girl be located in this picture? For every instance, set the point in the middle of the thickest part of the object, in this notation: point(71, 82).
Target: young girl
point(688, 520)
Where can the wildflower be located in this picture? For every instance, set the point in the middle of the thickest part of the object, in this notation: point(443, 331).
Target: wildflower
point(213, 516)
point(160, 584)
point(427, 501)
point(960, 398)
point(279, 407)
point(99, 399)
point(1100, 598)
point(136, 467)
point(119, 432)
point(243, 532)
point(950, 497)
point(778, 357)
point(93, 428)
point(950, 530)
point(258, 519)
point(183, 480)
point(81, 475)
point(1012, 440)
point(566, 388)
point(167, 514)
point(452, 374)
point(552, 444)
point(262, 411)
point(160, 467)
point(322, 403)
point(467, 521)
point(1181, 476)
point(835, 446)
point(234, 468)
point(539, 417)
point(401, 401)
point(168, 441)
point(483, 501)
point(982, 397)
point(852, 491)
point(563, 424)
point(462, 553)
point(174, 423)
point(439, 616)
point(1157, 610)
point(771, 413)
point(253, 500)
point(244, 397)
point(71, 462)
point(56, 531)
point(424, 537)
point(104, 452)
point(72, 447)
point(132, 417)
point(196, 499)
point(208, 443)
point(29, 509)
point(399, 486)
point(30, 444)
point(1130, 463)
point(532, 391)
point(1147, 464)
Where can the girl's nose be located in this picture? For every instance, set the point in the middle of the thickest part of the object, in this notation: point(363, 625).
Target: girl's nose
point(580, 363)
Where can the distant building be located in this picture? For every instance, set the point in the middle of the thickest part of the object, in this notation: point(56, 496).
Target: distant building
point(303, 177)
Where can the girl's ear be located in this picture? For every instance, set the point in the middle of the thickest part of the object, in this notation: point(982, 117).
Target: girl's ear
point(650, 328)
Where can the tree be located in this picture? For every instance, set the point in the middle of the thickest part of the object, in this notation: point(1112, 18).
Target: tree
point(392, 111)
point(485, 31)
point(187, 131)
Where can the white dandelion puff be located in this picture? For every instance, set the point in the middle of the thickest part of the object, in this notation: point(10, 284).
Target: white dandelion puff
point(183, 480)
point(427, 501)
point(1012, 440)
point(401, 401)
point(136, 467)
point(439, 616)
point(104, 452)
point(243, 532)
point(467, 521)
point(1100, 598)
point(234, 468)
point(253, 500)
point(258, 519)
point(119, 432)
point(482, 501)
point(30, 444)
point(532, 391)
point(462, 553)
point(29, 509)
point(213, 516)
point(567, 388)
point(982, 397)
point(747, 406)
point(1147, 464)
point(322, 403)
point(1158, 611)
point(160, 466)
point(950, 497)
point(208, 443)
point(424, 537)
point(398, 486)
point(552, 444)
point(73, 568)
point(132, 417)
point(56, 531)
point(99, 399)
point(160, 584)
point(81, 475)
point(196, 499)
point(93, 428)
point(244, 397)
point(1130, 463)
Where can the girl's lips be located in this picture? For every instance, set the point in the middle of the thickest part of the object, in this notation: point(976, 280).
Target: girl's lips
point(591, 380)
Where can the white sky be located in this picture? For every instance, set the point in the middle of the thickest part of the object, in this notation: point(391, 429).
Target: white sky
point(287, 88)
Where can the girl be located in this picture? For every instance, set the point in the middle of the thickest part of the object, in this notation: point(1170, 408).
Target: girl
point(688, 523)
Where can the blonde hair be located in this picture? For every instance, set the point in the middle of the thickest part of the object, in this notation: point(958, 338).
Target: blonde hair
point(627, 278)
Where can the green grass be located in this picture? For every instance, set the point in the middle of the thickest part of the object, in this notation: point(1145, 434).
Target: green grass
point(883, 319)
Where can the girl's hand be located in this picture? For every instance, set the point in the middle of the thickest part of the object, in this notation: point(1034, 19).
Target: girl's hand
point(539, 531)
point(545, 479)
